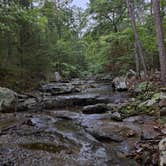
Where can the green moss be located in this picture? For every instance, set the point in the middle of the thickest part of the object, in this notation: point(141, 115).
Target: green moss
point(137, 108)
point(128, 110)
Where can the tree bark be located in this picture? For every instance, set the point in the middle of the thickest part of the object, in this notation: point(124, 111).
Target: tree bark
point(160, 39)
point(138, 46)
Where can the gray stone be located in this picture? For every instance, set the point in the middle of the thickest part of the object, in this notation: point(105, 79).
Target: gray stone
point(116, 116)
point(8, 100)
point(112, 131)
point(162, 152)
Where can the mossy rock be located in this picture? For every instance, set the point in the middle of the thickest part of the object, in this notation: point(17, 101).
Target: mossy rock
point(128, 110)
point(149, 106)
point(144, 86)
point(137, 108)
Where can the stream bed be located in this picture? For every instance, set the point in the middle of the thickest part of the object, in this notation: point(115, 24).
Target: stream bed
point(72, 124)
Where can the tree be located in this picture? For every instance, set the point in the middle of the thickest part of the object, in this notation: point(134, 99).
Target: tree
point(138, 46)
point(36, 40)
point(108, 13)
point(160, 38)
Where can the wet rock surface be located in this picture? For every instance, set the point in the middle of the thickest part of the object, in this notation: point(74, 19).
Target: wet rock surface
point(76, 129)
point(92, 109)
point(58, 88)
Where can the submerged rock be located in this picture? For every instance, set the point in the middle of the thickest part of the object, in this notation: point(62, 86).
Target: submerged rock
point(8, 100)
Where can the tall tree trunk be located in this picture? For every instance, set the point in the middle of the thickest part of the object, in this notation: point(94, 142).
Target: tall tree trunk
point(138, 46)
point(137, 61)
point(153, 66)
point(160, 38)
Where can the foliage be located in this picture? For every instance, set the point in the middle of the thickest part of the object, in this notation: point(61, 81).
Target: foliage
point(145, 86)
point(110, 26)
point(33, 38)
point(37, 39)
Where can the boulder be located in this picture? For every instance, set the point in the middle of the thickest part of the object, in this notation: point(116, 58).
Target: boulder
point(116, 116)
point(93, 109)
point(57, 77)
point(8, 100)
point(120, 84)
point(162, 152)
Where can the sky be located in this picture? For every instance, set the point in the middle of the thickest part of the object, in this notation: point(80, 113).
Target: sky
point(81, 3)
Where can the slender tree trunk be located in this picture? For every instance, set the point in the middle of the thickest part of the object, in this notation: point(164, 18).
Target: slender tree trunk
point(160, 38)
point(114, 24)
point(137, 61)
point(153, 65)
point(138, 46)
